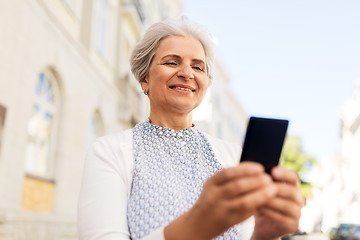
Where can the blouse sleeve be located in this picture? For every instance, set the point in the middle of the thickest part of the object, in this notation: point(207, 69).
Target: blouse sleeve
point(104, 192)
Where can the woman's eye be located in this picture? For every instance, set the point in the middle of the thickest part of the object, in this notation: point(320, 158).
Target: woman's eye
point(170, 63)
point(198, 68)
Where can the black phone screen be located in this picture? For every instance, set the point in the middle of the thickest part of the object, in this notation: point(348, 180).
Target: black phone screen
point(264, 140)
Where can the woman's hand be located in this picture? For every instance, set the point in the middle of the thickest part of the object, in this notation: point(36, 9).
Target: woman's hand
point(229, 197)
point(281, 214)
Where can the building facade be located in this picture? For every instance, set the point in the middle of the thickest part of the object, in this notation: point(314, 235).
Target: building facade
point(349, 164)
point(64, 80)
point(337, 193)
point(220, 114)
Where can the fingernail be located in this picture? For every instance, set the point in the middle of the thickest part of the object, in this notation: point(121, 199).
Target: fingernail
point(258, 168)
point(272, 189)
point(268, 178)
point(255, 167)
point(277, 171)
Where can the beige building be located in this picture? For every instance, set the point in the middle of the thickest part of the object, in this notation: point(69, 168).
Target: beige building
point(338, 179)
point(349, 202)
point(221, 114)
point(65, 80)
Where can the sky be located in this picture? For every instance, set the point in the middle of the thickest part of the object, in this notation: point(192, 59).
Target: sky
point(293, 59)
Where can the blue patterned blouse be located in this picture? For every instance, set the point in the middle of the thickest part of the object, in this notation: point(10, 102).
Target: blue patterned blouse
point(169, 172)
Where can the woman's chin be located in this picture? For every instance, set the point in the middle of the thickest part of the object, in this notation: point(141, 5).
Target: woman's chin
point(183, 108)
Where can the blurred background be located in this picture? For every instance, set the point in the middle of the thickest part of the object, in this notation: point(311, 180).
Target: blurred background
point(65, 79)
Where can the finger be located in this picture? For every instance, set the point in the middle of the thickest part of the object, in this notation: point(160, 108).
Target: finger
point(290, 192)
point(282, 174)
point(287, 223)
point(244, 169)
point(284, 207)
point(254, 199)
point(245, 185)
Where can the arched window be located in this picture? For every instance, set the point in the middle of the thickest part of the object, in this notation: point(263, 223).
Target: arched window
point(39, 158)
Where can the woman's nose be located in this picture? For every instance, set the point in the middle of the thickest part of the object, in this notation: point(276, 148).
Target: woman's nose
point(185, 72)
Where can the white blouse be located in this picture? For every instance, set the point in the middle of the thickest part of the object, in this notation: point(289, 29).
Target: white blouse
point(106, 186)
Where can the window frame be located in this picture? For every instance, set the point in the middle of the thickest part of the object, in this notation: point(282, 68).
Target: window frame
point(49, 173)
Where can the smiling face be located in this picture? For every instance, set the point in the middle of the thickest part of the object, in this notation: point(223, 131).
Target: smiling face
point(177, 81)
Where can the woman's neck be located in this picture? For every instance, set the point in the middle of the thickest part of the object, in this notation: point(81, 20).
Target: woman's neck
point(173, 121)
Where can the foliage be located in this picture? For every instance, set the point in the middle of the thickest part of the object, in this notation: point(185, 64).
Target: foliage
point(294, 158)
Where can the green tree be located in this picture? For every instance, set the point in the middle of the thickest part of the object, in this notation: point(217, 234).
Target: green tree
point(296, 159)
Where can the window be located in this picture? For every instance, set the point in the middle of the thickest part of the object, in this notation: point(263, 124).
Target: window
point(39, 158)
point(101, 26)
point(139, 10)
point(67, 2)
point(104, 40)
point(72, 7)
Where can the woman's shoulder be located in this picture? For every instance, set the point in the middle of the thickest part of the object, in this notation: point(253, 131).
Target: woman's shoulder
point(120, 138)
point(113, 144)
point(113, 151)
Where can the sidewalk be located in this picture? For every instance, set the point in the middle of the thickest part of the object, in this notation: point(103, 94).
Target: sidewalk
point(312, 236)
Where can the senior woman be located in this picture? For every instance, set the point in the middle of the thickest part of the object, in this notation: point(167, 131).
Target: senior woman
point(165, 179)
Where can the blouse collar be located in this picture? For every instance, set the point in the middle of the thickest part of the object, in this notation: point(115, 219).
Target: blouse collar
point(186, 132)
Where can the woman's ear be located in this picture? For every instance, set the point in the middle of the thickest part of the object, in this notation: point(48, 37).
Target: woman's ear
point(144, 84)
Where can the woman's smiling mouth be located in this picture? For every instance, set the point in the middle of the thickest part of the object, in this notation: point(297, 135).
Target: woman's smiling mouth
point(183, 88)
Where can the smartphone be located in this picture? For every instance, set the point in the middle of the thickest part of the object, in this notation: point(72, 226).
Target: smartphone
point(264, 141)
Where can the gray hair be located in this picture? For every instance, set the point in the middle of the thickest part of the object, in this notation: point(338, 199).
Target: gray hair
point(145, 50)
